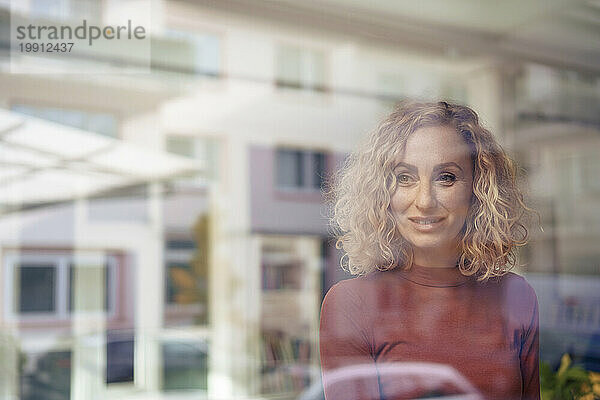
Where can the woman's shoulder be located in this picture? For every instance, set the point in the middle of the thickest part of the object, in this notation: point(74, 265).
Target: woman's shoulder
point(342, 299)
point(358, 289)
point(351, 287)
point(516, 284)
point(517, 295)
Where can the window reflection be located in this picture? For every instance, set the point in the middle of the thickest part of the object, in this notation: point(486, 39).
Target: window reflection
point(192, 254)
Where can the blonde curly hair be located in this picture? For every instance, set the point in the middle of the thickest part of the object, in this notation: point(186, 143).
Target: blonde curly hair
point(361, 191)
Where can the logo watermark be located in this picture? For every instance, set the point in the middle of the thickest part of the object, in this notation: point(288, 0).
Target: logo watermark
point(51, 33)
point(64, 45)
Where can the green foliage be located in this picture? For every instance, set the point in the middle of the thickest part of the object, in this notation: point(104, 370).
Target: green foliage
point(569, 382)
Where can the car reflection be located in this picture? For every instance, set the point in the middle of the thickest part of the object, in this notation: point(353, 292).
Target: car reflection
point(427, 379)
point(184, 366)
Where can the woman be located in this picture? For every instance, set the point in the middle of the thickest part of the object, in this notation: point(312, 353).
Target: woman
point(429, 216)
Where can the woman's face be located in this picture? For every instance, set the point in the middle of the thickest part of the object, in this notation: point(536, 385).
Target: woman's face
point(434, 187)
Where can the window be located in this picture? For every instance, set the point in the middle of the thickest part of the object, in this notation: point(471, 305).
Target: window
point(546, 93)
point(36, 283)
point(186, 276)
point(299, 169)
point(318, 170)
point(90, 274)
point(181, 282)
point(300, 68)
point(290, 168)
point(42, 285)
point(189, 52)
point(100, 123)
point(185, 365)
point(47, 371)
point(120, 347)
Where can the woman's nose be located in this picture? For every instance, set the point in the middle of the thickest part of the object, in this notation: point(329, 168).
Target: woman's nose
point(425, 196)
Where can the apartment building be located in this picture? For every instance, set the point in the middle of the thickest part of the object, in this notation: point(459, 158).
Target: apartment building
point(199, 268)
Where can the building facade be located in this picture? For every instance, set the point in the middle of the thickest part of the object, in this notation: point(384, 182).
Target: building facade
point(210, 281)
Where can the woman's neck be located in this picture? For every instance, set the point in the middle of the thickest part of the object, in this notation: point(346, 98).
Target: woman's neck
point(436, 259)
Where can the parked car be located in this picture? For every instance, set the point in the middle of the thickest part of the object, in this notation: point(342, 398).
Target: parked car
point(184, 366)
point(407, 377)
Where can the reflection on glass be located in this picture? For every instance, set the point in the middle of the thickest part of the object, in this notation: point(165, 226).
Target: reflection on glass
point(300, 169)
point(92, 276)
point(289, 291)
point(186, 267)
point(300, 68)
point(36, 288)
point(218, 87)
point(185, 365)
point(119, 356)
point(46, 376)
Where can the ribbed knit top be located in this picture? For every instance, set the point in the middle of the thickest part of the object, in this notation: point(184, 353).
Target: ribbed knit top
point(426, 332)
point(433, 277)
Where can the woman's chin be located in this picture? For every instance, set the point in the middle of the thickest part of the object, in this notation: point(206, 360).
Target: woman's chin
point(427, 244)
point(430, 245)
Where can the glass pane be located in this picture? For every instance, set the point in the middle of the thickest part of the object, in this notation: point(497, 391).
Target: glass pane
point(289, 66)
point(318, 160)
point(185, 365)
point(314, 70)
point(300, 68)
point(193, 52)
point(208, 57)
point(46, 375)
point(180, 244)
point(290, 168)
point(181, 284)
point(36, 288)
point(89, 288)
point(119, 356)
point(274, 146)
point(290, 292)
point(171, 53)
point(186, 276)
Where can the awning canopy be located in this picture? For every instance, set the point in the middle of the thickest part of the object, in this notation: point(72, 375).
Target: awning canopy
point(42, 162)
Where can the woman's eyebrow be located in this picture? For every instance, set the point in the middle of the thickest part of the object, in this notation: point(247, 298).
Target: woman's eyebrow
point(447, 164)
point(407, 166)
point(437, 167)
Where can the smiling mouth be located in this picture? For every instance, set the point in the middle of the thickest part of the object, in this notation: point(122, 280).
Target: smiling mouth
point(426, 221)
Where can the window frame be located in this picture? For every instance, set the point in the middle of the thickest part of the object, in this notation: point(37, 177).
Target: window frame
point(183, 255)
point(62, 261)
point(310, 170)
point(306, 53)
point(194, 37)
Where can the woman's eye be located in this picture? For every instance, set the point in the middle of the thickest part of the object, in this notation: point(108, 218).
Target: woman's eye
point(403, 178)
point(447, 178)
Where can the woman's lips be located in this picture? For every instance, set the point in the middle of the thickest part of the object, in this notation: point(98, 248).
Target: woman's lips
point(426, 224)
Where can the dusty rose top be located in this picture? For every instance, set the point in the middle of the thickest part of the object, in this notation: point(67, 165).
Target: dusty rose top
point(430, 332)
